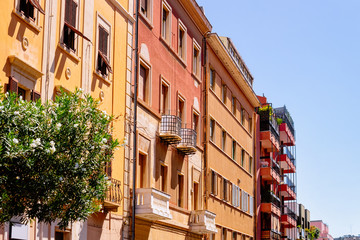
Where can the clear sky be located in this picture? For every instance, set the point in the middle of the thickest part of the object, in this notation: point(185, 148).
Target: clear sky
point(306, 54)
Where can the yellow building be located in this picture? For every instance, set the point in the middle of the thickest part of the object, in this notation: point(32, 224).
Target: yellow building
point(53, 44)
point(229, 150)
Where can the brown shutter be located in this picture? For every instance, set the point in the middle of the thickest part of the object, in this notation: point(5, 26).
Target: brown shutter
point(37, 5)
point(76, 31)
point(13, 85)
point(103, 40)
point(35, 95)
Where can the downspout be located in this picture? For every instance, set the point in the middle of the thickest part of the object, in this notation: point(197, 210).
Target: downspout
point(135, 119)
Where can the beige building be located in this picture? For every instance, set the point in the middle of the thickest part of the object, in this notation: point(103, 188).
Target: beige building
point(229, 150)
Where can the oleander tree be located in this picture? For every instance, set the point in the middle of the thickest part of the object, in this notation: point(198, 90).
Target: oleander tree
point(52, 158)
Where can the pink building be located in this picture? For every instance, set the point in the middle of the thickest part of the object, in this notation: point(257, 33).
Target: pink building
point(324, 229)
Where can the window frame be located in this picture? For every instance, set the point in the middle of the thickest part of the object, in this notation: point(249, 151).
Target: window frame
point(182, 27)
point(196, 63)
point(212, 79)
point(180, 190)
point(212, 126)
point(167, 35)
point(180, 98)
point(223, 93)
point(233, 149)
point(167, 100)
point(101, 22)
point(148, 84)
point(242, 157)
point(37, 9)
point(214, 183)
point(223, 140)
point(197, 130)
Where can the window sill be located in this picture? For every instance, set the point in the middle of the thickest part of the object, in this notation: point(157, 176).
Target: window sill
point(108, 81)
point(196, 77)
point(31, 24)
point(72, 55)
point(146, 20)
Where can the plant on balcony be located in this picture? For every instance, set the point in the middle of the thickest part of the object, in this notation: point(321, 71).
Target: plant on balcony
point(52, 158)
point(313, 232)
point(279, 121)
point(266, 108)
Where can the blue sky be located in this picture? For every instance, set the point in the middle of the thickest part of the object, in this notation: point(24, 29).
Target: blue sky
point(306, 54)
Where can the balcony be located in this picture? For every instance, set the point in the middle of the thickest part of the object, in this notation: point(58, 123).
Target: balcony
point(287, 131)
point(202, 222)
point(187, 145)
point(152, 204)
point(270, 203)
point(170, 129)
point(270, 234)
point(269, 131)
point(288, 217)
point(113, 196)
point(286, 160)
point(269, 170)
point(287, 188)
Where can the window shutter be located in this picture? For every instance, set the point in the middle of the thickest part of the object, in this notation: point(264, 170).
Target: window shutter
point(35, 95)
point(103, 40)
point(36, 4)
point(143, 5)
point(13, 85)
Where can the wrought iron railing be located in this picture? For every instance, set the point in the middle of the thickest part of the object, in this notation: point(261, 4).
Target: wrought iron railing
point(188, 137)
point(170, 124)
point(283, 113)
point(113, 192)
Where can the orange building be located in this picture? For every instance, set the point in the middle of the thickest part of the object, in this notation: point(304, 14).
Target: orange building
point(229, 149)
point(168, 181)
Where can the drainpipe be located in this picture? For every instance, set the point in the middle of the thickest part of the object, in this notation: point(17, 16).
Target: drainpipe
point(135, 119)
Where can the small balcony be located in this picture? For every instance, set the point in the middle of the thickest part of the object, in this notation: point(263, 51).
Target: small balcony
point(287, 131)
point(170, 129)
point(152, 204)
point(270, 203)
point(270, 234)
point(269, 170)
point(286, 160)
point(113, 196)
point(187, 145)
point(269, 131)
point(287, 188)
point(202, 222)
point(288, 217)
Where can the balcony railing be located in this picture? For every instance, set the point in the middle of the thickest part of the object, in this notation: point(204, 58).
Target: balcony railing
point(270, 197)
point(268, 123)
point(285, 210)
point(285, 179)
point(283, 113)
point(286, 150)
point(270, 234)
point(113, 195)
point(170, 127)
point(152, 204)
point(271, 163)
point(187, 145)
point(202, 222)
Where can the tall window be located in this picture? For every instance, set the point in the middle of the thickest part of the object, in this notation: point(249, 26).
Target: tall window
point(242, 116)
point(250, 124)
point(234, 236)
point(181, 109)
point(27, 8)
point(180, 190)
point(103, 65)
point(144, 83)
point(233, 105)
point(242, 157)
point(212, 129)
point(225, 189)
point(15, 86)
point(224, 233)
point(196, 125)
point(166, 22)
point(164, 100)
point(163, 175)
point(233, 150)
point(250, 164)
point(196, 59)
point(223, 93)
point(235, 196)
point(144, 7)
point(182, 41)
point(196, 196)
point(70, 25)
point(141, 179)
point(212, 79)
point(214, 187)
point(223, 140)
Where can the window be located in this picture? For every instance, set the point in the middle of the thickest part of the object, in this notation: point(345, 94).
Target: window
point(166, 22)
point(250, 164)
point(244, 201)
point(103, 64)
point(181, 108)
point(234, 236)
point(242, 157)
point(27, 8)
point(212, 79)
point(164, 99)
point(250, 124)
point(144, 7)
point(233, 105)
point(223, 93)
point(196, 196)
point(23, 91)
point(196, 125)
point(180, 190)
point(196, 59)
point(223, 140)
point(235, 201)
point(224, 233)
point(163, 175)
point(144, 82)
point(62, 234)
point(212, 129)
point(70, 25)
point(251, 207)
point(141, 171)
point(242, 116)
point(225, 189)
point(233, 150)
point(182, 41)
point(214, 187)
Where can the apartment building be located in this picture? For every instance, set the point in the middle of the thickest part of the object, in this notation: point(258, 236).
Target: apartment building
point(277, 181)
point(67, 44)
point(169, 200)
point(303, 222)
point(324, 230)
point(229, 144)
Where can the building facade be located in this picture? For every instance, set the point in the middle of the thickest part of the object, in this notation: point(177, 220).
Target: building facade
point(324, 230)
point(229, 144)
point(277, 182)
point(168, 180)
point(52, 45)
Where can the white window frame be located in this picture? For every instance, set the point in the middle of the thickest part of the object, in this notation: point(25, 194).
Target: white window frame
point(147, 65)
point(149, 17)
point(235, 196)
point(244, 201)
point(62, 24)
point(167, 84)
point(100, 21)
point(181, 26)
point(196, 71)
point(167, 37)
point(36, 13)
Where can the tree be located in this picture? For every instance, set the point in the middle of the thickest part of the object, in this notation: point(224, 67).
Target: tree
point(313, 232)
point(52, 158)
